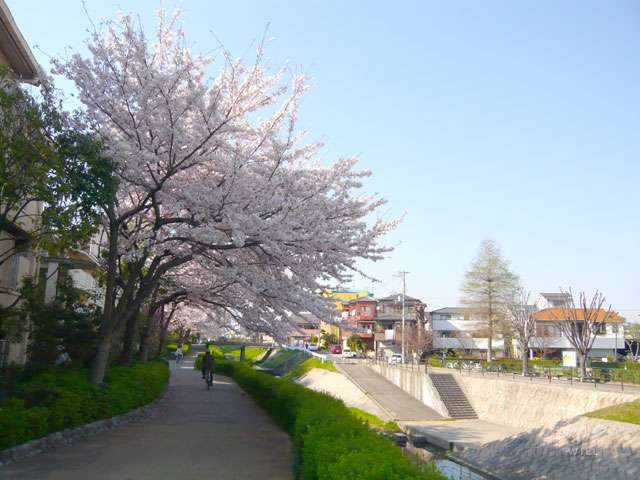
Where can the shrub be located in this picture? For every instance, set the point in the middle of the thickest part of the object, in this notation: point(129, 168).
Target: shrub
point(56, 400)
point(329, 441)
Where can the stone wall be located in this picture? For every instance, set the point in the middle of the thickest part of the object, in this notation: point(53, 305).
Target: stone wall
point(414, 382)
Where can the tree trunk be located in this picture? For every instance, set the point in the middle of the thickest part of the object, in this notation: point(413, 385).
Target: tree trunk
point(163, 333)
point(129, 338)
point(525, 361)
point(145, 337)
point(490, 340)
point(583, 365)
point(101, 360)
point(99, 366)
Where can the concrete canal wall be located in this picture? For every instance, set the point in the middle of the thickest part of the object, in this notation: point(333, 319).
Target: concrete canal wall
point(514, 403)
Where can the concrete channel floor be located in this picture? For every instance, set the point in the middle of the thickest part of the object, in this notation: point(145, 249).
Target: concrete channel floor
point(194, 434)
point(463, 433)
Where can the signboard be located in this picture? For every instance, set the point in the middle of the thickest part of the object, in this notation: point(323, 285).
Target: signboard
point(569, 358)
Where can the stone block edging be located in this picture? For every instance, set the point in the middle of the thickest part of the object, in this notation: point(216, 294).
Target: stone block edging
point(69, 435)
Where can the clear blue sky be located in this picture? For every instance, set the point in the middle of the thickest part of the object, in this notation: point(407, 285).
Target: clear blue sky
point(518, 121)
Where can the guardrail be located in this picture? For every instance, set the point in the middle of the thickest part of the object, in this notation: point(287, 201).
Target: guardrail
point(321, 356)
point(612, 377)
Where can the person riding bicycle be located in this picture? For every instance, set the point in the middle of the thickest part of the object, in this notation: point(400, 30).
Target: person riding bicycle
point(178, 354)
point(207, 367)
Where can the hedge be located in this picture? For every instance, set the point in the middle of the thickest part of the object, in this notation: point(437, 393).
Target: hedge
point(57, 400)
point(330, 443)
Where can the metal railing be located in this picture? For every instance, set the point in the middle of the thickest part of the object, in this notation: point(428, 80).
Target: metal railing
point(615, 377)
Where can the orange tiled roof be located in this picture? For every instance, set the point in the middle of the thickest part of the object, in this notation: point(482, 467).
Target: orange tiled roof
point(557, 314)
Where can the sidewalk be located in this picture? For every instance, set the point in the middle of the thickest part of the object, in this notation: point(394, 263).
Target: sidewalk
point(194, 434)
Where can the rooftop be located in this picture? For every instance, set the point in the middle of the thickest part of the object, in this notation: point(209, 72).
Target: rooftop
point(396, 297)
point(14, 47)
point(559, 314)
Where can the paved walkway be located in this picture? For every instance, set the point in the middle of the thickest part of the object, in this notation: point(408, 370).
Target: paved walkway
point(195, 434)
point(401, 405)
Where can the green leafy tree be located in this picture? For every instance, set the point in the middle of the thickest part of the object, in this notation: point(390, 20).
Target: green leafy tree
point(52, 177)
point(355, 343)
point(67, 323)
point(488, 286)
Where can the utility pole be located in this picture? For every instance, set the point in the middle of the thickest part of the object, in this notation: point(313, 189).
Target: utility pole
point(403, 275)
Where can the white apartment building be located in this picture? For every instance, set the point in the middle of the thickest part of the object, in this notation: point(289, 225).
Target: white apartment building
point(464, 329)
point(19, 260)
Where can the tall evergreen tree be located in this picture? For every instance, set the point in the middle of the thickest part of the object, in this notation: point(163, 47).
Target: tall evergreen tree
point(488, 286)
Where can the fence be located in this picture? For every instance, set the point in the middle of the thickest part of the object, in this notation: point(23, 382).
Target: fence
point(613, 377)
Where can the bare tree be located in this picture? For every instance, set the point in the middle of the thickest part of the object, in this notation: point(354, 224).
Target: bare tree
point(417, 338)
point(488, 285)
point(581, 324)
point(632, 339)
point(541, 344)
point(518, 315)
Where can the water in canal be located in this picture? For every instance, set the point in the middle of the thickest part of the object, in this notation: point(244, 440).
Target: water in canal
point(455, 471)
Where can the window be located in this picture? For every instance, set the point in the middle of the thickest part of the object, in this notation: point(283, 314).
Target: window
point(614, 328)
point(364, 309)
point(14, 267)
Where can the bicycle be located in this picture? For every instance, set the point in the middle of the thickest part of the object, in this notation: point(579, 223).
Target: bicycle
point(209, 379)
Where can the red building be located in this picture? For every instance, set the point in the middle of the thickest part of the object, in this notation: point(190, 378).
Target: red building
point(358, 316)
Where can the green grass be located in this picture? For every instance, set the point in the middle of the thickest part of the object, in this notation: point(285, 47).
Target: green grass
point(625, 412)
point(309, 364)
point(277, 359)
point(250, 352)
point(372, 420)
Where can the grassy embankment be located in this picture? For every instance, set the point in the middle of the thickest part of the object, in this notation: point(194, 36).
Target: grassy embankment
point(331, 442)
point(625, 412)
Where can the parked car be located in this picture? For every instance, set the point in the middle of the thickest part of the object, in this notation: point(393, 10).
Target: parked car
point(395, 359)
point(313, 348)
point(348, 353)
point(336, 349)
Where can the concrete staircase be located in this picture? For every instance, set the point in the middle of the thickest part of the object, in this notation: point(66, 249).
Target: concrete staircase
point(452, 396)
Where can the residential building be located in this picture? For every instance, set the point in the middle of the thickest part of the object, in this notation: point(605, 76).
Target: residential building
point(389, 311)
point(305, 326)
point(82, 265)
point(463, 328)
point(339, 298)
point(552, 300)
point(358, 318)
point(15, 248)
point(550, 339)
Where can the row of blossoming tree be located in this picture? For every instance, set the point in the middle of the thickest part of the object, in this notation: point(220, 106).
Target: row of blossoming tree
point(221, 203)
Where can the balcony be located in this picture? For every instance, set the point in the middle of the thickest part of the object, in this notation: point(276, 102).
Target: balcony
point(467, 343)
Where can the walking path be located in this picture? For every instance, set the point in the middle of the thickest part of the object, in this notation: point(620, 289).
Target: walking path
point(195, 433)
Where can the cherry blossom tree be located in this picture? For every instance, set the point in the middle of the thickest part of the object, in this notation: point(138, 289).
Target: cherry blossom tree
point(216, 181)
